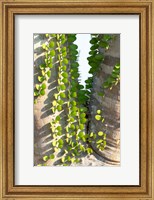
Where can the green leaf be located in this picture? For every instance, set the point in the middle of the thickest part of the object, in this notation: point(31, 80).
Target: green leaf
point(40, 78)
point(71, 38)
point(63, 87)
point(101, 148)
point(43, 86)
point(60, 146)
point(64, 54)
point(75, 75)
point(52, 156)
point(107, 37)
point(53, 35)
point(42, 66)
point(72, 119)
point(75, 64)
point(74, 94)
point(52, 52)
point(65, 74)
point(73, 89)
point(44, 46)
point(83, 109)
point(51, 44)
point(61, 102)
point(81, 134)
point(74, 52)
point(104, 44)
point(43, 73)
point(59, 133)
point(82, 115)
point(98, 111)
point(67, 140)
point(93, 41)
point(99, 141)
point(73, 46)
point(83, 120)
point(68, 158)
point(37, 86)
point(74, 133)
point(62, 36)
point(54, 103)
point(95, 46)
point(66, 151)
point(75, 152)
point(50, 65)
point(64, 68)
point(74, 108)
point(103, 120)
point(77, 160)
point(63, 41)
point(91, 134)
point(72, 126)
point(117, 66)
point(42, 92)
point(65, 61)
point(81, 126)
point(82, 148)
point(89, 150)
point(72, 160)
point(63, 159)
point(98, 117)
point(59, 128)
point(45, 158)
point(93, 52)
point(58, 118)
point(80, 87)
point(46, 61)
point(99, 57)
point(48, 73)
point(60, 141)
point(89, 80)
point(100, 133)
point(69, 148)
point(62, 95)
point(63, 49)
point(65, 80)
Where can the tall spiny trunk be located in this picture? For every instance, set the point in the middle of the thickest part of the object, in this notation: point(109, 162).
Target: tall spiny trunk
point(109, 104)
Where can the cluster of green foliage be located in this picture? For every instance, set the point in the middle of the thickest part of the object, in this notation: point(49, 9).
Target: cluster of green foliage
point(94, 60)
point(45, 71)
point(74, 128)
point(70, 136)
point(114, 78)
point(99, 138)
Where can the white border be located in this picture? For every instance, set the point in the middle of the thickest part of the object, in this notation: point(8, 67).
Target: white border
point(128, 27)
